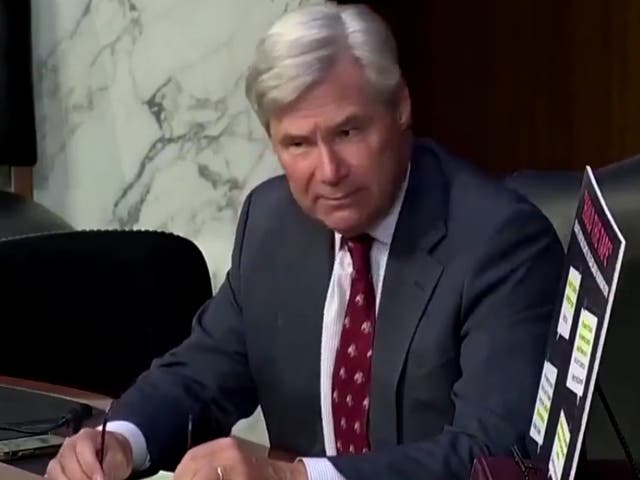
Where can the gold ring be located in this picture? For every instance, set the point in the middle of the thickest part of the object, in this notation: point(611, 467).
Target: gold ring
point(220, 473)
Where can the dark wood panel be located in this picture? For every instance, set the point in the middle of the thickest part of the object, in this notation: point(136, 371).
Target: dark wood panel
point(528, 84)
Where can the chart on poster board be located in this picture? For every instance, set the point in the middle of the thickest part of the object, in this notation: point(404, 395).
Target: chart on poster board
point(592, 266)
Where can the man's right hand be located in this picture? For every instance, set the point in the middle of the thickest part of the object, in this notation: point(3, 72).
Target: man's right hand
point(78, 457)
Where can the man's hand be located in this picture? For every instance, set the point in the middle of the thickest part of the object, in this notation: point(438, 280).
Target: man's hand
point(78, 457)
point(228, 459)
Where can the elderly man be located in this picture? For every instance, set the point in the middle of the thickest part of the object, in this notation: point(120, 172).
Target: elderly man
point(387, 305)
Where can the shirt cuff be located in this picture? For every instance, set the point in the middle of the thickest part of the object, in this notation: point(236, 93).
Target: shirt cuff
point(135, 438)
point(321, 469)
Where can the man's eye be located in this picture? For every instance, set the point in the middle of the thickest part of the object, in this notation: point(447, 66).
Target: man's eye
point(348, 132)
point(296, 145)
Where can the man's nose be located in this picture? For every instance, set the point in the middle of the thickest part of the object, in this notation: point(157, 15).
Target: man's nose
point(332, 168)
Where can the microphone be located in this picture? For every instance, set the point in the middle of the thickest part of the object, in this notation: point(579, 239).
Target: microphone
point(74, 418)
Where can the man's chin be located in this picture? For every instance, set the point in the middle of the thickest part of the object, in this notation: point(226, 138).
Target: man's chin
point(345, 225)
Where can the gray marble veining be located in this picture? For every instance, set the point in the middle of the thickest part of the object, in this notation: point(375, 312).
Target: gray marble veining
point(142, 120)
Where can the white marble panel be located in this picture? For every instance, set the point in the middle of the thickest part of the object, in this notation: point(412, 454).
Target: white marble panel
point(142, 120)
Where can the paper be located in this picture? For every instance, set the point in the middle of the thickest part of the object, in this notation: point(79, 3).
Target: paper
point(559, 449)
point(581, 355)
point(543, 403)
point(569, 301)
point(161, 475)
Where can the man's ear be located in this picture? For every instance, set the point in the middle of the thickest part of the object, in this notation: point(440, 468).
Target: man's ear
point(404, 106)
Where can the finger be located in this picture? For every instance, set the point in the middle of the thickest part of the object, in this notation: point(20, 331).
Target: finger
point(68, 461)
point(186, 470)
point(239, 471)
point(194, 459)
point(218, 472)
point(195, 465)
point(199, 460)
point(115, 465)
point(88, 460)
point(54, 471)
point(225, 471)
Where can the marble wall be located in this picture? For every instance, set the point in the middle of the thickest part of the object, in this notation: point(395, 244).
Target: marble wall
point(141, 116)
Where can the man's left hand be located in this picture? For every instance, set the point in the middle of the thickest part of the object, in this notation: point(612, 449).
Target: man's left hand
point(228, 459)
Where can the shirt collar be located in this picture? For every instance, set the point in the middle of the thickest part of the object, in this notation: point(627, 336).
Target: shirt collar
point(383, 230)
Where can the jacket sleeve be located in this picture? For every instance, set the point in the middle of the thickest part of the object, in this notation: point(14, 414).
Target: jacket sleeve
point(507, 303)
point(207, 377)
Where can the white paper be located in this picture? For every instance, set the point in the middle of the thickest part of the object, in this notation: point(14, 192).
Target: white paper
point(581, 355)
point(560, 448)
point(543, 403)
point(161, 475)
point(569, 301)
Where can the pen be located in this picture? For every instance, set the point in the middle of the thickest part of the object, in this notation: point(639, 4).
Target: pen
point(103, 434)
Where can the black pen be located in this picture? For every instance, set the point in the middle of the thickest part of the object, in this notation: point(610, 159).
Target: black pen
point(103, 435)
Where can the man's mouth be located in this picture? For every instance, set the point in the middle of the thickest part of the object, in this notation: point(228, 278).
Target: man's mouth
point(338, 198)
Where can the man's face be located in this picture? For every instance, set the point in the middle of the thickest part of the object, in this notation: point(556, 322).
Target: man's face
point(344, 152)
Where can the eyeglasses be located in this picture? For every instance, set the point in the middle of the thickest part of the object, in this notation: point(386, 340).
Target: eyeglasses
point(523, 464)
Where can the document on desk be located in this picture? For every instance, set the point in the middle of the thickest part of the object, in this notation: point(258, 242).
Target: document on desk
point(161, 475)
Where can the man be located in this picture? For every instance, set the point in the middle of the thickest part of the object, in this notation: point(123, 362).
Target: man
point(387, 305)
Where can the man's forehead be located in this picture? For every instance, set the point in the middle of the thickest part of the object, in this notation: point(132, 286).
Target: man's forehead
point(331, 113)
point(306, 122)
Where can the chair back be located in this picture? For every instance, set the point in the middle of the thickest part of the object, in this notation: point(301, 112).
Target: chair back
point(92, 309)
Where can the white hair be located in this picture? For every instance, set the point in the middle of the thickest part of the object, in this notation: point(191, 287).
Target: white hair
point(303, 45)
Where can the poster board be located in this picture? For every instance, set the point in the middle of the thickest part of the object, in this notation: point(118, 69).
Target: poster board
point(577, 335)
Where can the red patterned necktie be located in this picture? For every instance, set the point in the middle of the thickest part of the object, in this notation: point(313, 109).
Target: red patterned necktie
point(352, 367)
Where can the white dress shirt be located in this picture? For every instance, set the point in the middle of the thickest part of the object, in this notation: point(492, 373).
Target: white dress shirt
point(334, 312)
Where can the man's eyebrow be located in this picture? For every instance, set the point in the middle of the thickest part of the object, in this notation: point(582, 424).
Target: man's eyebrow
point(290, 137)
point(349, 119)
point(293, 137)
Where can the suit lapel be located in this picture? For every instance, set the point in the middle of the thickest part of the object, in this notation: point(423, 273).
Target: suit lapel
point(410, 277)
point(305, 266)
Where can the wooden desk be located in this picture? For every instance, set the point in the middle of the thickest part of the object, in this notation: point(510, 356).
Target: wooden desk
point(95, 400)
point(7, 472)
point(101, 403)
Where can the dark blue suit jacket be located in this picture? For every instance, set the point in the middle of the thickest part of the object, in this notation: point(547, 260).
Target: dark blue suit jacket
point(472, 276)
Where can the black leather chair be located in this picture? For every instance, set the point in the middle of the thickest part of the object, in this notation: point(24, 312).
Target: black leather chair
point(556, 193)
point(92, 309)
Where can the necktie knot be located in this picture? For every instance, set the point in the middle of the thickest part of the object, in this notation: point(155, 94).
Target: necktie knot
point(359, 248)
